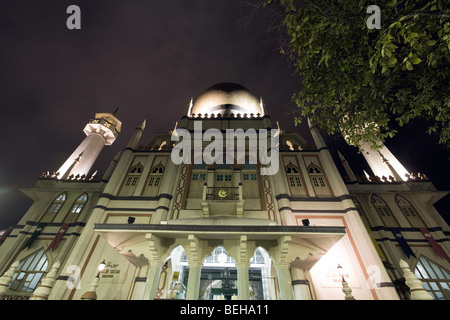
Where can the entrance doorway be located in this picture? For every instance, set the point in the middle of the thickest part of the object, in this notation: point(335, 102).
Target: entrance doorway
point(218, 277)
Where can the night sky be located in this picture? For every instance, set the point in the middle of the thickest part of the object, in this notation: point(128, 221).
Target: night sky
point(147, 58)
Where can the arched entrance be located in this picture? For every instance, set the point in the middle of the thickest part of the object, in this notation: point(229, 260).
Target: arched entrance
point(219, 280)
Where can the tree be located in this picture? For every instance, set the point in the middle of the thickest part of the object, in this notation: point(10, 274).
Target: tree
point(364, 82)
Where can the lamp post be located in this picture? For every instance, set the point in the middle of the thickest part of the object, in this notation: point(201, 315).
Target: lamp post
point(91, 293)
point(100, 268)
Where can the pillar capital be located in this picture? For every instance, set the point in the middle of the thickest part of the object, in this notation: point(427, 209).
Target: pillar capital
point(280, 251)
point(154, 247)
point(194, 252)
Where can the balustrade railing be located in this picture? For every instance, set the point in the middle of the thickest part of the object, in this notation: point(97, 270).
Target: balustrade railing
point(222, 193)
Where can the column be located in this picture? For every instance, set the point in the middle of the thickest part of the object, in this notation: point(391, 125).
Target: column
point(43, 291)
point(210, 176)
point(6, 278)
point(284, 281)
point(243, 281)
point(152, 281)
point(193, 284)
point(300, 285)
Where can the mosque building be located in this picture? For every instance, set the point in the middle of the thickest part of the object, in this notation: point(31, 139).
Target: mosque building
point(271, 221)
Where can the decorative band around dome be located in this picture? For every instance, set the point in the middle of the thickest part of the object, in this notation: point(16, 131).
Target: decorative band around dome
point(225, 98)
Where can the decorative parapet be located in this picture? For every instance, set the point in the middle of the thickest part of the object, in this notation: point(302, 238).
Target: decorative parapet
point(55, 175)
point(225, 116)
point(388, 180)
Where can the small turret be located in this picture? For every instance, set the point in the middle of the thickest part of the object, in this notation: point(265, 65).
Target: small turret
point(136, 136)
point(348, 170)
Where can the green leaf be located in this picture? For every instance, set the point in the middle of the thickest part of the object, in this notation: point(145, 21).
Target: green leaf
point(409, 66)
point(391, 3)
point(415, 59)
point(362, 65)
point(391, 62)
point(391, 47)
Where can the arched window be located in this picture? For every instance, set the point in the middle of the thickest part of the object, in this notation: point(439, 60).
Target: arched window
point(318, 180)
point(55, 207)
point(293, 176)
point(219, 256)
point(408, 210)
point(131, 180)
point(384, 212)
point(257, 259)
point(294, 181)
point(133, 176)
point(29, 272)
point(79, 204)
point(156, 176)
point(435, 279)
point(316, 176)
point(154, 181)
point(57, 203)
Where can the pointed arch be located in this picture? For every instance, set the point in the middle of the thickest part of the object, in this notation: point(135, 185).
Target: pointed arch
point(435, 278)
point(79, 203)
point(314, 169)
point(137, 169)
point(159, 168)
point(154, 180)
point(409, 211)
point(131, 180)
point(318, 180)
point(262, 276)
point(29, 272)
point(291, 169)
point(57, 203)
point(295, 180)
point(55, 207)
point(156, 174)
point(219, 255)
point(383, 211)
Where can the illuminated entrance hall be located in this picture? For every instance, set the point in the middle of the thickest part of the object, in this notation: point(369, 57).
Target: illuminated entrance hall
point(218, 278)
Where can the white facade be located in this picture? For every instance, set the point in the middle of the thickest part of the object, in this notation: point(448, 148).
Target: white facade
point(225, 231)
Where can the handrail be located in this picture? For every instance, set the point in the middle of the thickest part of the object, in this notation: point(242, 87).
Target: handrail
point(222, 193)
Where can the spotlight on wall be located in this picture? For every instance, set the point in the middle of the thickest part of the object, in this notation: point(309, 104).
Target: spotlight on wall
point(131, 220)
point(305, 222)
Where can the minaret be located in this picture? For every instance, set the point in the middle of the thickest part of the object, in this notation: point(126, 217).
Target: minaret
point(347, 168)
point(133, 143)
point(100, 131)
point(383, 162)
point(333, 174)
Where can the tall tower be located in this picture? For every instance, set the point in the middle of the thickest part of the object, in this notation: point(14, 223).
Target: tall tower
point(384, 163)
point(100, 131)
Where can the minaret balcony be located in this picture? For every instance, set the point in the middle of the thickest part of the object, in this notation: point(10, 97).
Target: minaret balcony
point(222, 201)
point(103, 127)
